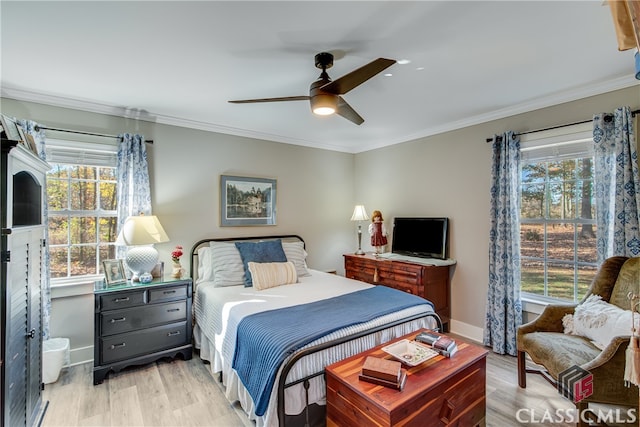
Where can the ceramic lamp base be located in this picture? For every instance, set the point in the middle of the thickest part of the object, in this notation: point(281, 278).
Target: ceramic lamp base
point(141, 260)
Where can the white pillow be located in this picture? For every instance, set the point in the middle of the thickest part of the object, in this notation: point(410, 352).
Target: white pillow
point(228, 269)
point(601, 322)
point(265, 275)
point(205, 265)
point(294, 251)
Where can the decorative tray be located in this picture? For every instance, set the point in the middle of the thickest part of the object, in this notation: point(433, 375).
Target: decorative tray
point(410, 352)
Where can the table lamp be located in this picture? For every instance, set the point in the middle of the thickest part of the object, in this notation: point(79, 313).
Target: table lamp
point(359, 214)
point(141, 232)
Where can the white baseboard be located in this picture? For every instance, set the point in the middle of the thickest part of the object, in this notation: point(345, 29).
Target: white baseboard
point(81, 355)
point(466, 330)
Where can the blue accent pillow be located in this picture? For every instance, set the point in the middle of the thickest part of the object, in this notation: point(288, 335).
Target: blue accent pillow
point(267, 251)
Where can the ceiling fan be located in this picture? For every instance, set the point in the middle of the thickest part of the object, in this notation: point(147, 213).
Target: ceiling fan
point(324, 94)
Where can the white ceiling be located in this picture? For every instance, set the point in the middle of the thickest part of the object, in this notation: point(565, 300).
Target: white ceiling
point(179, 62)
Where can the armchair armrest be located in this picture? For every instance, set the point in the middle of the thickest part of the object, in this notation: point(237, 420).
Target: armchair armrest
point(550, 320)
point(608, 375)
point(615, 350)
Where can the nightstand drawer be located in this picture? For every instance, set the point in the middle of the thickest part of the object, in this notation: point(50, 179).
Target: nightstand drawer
point(118, 321)
point(168, 294)
point(143, 342)
point(123, 300)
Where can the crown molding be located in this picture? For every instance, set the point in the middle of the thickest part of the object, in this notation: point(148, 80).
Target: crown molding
point(125, 112)
point(535, 104)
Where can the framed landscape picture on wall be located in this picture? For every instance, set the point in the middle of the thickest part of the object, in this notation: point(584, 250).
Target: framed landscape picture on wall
point(247, 201)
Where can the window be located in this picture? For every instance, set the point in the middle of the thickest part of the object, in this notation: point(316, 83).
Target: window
point(557, 215)
point(81, 195)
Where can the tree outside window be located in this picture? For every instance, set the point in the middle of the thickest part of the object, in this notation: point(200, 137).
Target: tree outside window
point(557, 228)
point(82, 218)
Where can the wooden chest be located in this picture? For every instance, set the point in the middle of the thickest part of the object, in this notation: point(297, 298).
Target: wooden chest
point(439, 392)
point(430, 282)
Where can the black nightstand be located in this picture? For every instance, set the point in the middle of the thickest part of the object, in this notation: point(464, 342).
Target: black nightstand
point(138, 323)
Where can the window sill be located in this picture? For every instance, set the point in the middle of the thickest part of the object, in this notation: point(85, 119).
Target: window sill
point(536, 304)
point(69, 287)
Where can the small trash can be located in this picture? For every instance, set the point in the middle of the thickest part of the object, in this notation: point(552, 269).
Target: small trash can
point(55, 354)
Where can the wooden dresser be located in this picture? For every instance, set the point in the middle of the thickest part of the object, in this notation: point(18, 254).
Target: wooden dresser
point(139, 323)
point(431, 282)
point(439, 392)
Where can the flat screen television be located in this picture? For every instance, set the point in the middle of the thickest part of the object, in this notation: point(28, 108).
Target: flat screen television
point(421, 237)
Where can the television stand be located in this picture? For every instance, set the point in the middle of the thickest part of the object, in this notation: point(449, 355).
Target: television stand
point(426, 280)
point(416, 259)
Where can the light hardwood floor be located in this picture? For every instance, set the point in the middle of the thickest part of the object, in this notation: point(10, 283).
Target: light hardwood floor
point(184, 393)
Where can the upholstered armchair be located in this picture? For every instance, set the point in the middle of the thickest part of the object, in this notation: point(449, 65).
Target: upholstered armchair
point(547, 344)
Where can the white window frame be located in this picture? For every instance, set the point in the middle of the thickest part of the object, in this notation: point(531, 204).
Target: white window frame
point(552, 145)
point(87, 150)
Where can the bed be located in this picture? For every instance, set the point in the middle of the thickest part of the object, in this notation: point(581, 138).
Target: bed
point(270, 342)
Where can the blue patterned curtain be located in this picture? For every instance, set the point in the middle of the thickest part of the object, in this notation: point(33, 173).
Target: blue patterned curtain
point(617, 186)
point(32, 129)
point(504, 307)
point(134, 193)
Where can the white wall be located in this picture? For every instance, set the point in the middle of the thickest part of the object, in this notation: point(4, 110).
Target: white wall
point(443, 175)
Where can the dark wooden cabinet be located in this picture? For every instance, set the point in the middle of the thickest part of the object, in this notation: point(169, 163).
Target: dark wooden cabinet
point(431, 282)
point(23, 239)
point(139, 323)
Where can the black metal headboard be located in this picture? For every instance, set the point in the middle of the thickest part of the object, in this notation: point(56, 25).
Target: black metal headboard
point(204, 242)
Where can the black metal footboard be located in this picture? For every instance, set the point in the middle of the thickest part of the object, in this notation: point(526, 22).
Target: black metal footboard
point(282, 384)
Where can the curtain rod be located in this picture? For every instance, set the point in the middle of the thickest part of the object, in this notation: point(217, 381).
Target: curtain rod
point(38, 128)
point(633, 113)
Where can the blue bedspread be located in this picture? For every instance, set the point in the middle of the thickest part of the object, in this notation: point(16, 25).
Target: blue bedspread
point(265, 339)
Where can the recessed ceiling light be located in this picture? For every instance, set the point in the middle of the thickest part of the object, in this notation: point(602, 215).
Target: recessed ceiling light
point(388, 75)
point(403, 61)
point(419, 68)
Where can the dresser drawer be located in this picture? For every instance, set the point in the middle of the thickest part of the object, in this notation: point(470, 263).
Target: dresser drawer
point(122, 300)
point(404, 287)
point(143, 342)
point(118, 321)
point(168, 294)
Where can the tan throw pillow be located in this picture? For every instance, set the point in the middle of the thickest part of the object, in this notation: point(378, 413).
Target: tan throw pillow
point(267, 275)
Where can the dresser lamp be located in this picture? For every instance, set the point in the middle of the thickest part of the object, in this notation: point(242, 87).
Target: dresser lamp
point(141, 232)
point(359, 214)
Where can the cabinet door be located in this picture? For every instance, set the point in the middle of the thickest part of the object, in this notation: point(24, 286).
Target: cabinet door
point(34, 329)
point(17, 322)
point(24, 341)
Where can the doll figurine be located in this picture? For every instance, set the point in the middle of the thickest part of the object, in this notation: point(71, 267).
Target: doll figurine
point(378, 232)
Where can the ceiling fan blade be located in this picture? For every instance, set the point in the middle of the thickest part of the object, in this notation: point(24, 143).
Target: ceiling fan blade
point(286, 98)
point(347, 112)
point(355, 78)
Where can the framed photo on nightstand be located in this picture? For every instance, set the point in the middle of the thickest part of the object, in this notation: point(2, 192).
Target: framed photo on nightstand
point(114, 272)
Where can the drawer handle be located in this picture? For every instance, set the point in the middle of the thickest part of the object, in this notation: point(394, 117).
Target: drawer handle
point(121, 299)
point(169, 292)
point(172, 309)
point(173, 334)
point(114, 346)
point(121, 319)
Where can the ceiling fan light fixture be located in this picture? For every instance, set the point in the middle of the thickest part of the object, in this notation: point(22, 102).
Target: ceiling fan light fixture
point(324, 104)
